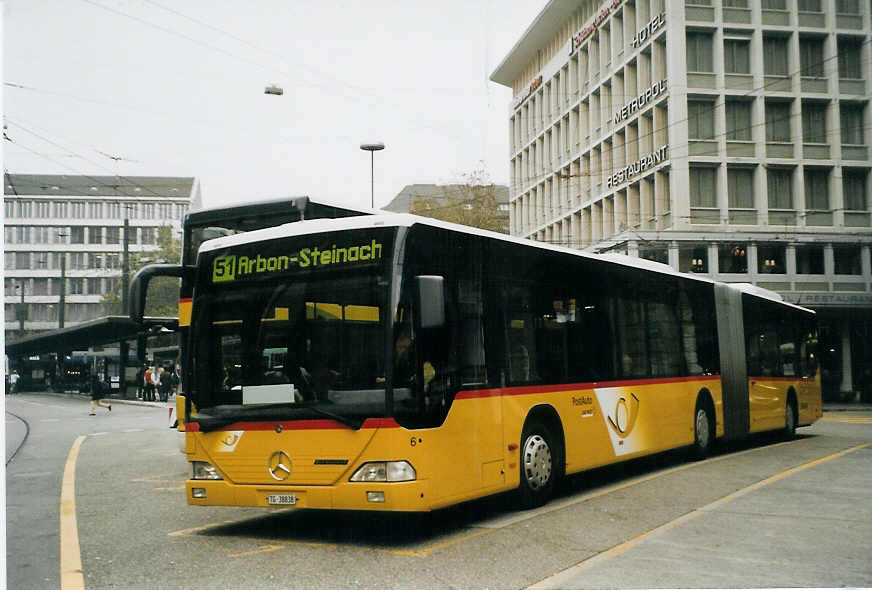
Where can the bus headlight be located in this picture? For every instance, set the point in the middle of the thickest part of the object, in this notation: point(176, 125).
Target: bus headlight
point(203, 470)
point(385, 471)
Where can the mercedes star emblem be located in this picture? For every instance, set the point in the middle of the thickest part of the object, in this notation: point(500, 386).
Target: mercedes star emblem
point(279, 465)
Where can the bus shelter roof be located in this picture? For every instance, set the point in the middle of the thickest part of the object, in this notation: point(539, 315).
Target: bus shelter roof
point(82, 336)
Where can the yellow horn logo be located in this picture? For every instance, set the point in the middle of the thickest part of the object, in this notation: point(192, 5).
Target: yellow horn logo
point(625, 414)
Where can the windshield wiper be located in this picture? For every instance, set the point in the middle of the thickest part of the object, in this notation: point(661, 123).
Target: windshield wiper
point(345, 420)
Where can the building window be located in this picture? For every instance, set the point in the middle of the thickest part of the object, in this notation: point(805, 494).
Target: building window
point(113, 210)
point(699, 52)
point(78, 261)
point(655, 253)
point(777, 121)
point(770, 260)
point(700, 119)
point(61, 210)
point(693, 258)
point(848, 6)
point(779, 188)
point(702, 186)
point(854, 189)
point(736, 3)
point(113, 235)
point(811, 56)
point(131, 210)
point(76, 286)
point(147, 234)
point(95, 210)
point(775, 56)
point(10, 209)
point(698, 2)
point(738, 120)
point(817, 195)
point(809, 5)
point(95, 235)
point(740, 187)
point(148, 210)
point(22, 260)
point(732, 258)
point(737, 56)
point(112, 262)
point(25, 209)
point(77, 210)
point(810, 260)
point(814, 122)
point(847, 260)
point(43, 209)
point(94, 286)
point(851, 116)
point(849, 59)
point(774, 4)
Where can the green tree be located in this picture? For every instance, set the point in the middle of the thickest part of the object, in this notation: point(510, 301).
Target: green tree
point(472, 202)
point(163, 292)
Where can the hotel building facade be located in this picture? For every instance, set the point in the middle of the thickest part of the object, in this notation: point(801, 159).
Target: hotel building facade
point(71, 228)
point(729, 138)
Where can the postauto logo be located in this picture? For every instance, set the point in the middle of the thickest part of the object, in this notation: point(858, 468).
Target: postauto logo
point(233, 267)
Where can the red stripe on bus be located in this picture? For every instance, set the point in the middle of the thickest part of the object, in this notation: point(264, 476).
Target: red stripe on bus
point(186, 299)
point(534, 389)
point(370, 423)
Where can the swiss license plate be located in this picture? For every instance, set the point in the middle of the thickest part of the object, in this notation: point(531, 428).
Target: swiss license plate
point(281, 499)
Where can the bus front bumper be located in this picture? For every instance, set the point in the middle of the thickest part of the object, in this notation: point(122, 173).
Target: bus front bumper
point(409, 496)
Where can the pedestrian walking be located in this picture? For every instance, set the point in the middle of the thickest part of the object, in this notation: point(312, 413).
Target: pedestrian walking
point(140, 382)
point(97, 394)
point(13, 381)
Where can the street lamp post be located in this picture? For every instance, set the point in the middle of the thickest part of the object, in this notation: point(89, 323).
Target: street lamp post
point(22, 310)
point(372, 148)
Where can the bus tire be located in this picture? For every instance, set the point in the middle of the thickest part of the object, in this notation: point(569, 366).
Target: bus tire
point(703, 430)
point(790, 418)
point(539, 463)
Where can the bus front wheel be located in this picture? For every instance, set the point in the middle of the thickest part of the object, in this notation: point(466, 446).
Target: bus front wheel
point(538, 464)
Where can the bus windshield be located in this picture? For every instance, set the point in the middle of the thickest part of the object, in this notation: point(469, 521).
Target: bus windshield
point(292, 344)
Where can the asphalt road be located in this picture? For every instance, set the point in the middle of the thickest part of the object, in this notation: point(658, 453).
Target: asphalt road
point(766, 513)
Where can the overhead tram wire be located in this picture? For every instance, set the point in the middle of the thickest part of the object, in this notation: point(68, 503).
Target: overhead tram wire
point(372, 99)
point(97, 182)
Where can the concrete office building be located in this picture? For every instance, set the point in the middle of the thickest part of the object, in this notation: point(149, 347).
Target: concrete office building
point(724, 137)
point(78, 222)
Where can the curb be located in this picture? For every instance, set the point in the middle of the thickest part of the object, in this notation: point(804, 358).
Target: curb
point(170, 403)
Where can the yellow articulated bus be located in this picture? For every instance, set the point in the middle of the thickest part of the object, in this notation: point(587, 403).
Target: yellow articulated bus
point(391, 362)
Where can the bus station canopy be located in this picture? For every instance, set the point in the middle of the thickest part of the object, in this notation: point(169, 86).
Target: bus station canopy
point(105, 330)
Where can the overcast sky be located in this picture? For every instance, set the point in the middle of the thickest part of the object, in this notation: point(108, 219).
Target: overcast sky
point(176, 88)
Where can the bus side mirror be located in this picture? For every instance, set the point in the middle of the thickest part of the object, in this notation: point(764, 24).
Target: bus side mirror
point(139, 284)
point(431, 301)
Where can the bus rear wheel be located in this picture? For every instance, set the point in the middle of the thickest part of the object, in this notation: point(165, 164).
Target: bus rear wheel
point(790, 419)
point(703, 434)
point(539, 464)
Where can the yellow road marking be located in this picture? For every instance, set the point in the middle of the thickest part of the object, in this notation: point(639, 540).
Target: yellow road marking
point(259, 550)
point(560, 579)
point(71, 557)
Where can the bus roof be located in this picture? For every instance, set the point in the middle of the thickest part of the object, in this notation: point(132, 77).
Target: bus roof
point(266, 207)
point(386, 219)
